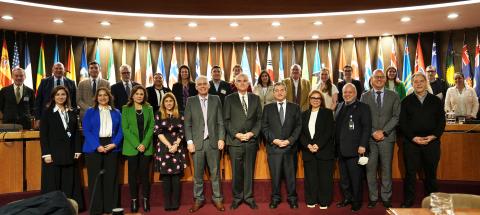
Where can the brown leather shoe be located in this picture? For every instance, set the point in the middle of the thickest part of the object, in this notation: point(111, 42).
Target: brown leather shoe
point(196, 206)
point(219, 206)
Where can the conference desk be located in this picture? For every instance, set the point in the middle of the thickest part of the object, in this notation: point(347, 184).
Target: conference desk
point(20, 158)
point(426, 211)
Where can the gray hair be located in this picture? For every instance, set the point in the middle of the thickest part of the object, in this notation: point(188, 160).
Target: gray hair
point(125, 66)
point(431, 68)
point(200, 78)
point(350, 85)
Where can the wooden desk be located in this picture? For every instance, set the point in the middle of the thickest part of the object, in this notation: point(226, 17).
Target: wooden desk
point(426, 211)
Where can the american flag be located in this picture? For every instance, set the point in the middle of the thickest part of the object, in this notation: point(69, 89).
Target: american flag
point(16, 56)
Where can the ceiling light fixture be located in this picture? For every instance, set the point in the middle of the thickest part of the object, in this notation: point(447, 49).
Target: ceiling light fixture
point(192, 24)
point(349, 36)
point(177, 38)
point(234, 24)
point(149, 24)
point(246, 38)
point(317, 23)
point(360, 21)
point(281, 37)
point(143, 38)
point(315, 37)
point(105, 23)
point(275, 24)
point(107, 37)
point(386, 34)
point(58, 21)
point(453, 15)
point(213, 38)
point(405, 19)
point(7, 17)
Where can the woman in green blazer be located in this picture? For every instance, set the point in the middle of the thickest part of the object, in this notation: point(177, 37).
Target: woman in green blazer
point(393, 83)
point(137, 125)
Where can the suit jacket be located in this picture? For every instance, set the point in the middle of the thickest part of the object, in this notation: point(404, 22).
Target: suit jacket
point(273, 129)
point(386, 118)
point(130, 130)
point(18, 113)
point(264, 99)
point(91, 129)
point(348, 140)
point(223, 90)
point(152, 97)
point(54, 138)
point(120, 97)
point(177, 90)
point(323, 136)
point(45, 89)
point(85, 94)
point(304, 91)
point(236, 121)
point(194, 122)
point(342, 83)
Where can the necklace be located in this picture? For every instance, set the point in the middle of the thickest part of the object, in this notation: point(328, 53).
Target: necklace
point(139, 113)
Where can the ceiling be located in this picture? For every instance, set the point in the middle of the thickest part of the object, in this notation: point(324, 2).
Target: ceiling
point(297, 25)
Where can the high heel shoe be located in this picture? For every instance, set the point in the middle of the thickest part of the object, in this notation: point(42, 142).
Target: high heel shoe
point(134, 206)
point(146, 204)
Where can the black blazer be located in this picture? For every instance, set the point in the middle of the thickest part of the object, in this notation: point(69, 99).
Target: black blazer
point(235, 120)
point(223, 90)
point(346, 140)
point(120, 97)
point(55, 140)
point(273, 129)
point(45, 89)
point(323, 137)
point(20, 113)
point(152, 97)
point(177, 90)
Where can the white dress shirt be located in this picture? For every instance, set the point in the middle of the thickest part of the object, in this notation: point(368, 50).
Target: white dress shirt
point(105, 122)
point(245, 97)
point(311, 123)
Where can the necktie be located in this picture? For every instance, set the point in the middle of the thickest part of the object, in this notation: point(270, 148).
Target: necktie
point(58, 82)
point(204, 111)
point(379, 99)
point(127, 89)
point(94, 87)
point(282, 113)
point(17, 94)
point(244, 104)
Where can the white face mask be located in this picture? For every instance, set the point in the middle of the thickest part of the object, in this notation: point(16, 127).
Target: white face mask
point(363, 160)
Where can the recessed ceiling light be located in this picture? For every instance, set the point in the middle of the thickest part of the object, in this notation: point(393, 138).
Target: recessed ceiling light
point(386, 34)
point(58, 21)
point(360, 21)
point(349, 36)
point(192, 24)
point(105, 23)
point(246, 38)
point(275, 24)
point(453, 15)
point(143, 38)
point(213, 38)
point(405, 19)
point(317, 23)
point(7, 17)
point(281, 37)
point(149, 24)
point(234, 24)
point(177, 38)
point(315, 37)
point(107, 37)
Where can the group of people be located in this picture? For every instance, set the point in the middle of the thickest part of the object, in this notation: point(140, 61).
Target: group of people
point(324, 121)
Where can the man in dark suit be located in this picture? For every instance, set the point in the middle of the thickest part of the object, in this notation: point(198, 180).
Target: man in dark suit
point(347, 78)
point(422, 121)
point(156, 92)
point(281, 125)
point(17, 101)
point(352, 131)
point(121, 90)
point(439, 86)
point(385, 110)
point(243, 117)
point(217, 85)
point(205, 135)
point(46, 86)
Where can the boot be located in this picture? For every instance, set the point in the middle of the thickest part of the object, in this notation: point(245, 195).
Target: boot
point(146, 204)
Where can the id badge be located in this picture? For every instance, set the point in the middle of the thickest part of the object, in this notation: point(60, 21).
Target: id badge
point(351, 124)
point(69, 134)
point(26, 99)
point(223, 92)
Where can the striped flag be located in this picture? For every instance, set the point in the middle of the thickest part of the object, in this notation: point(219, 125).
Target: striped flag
point(56, 56)
point(28, 68)
point(220, 62)
point(124, 53)
point(138, 69)
point(466, 63)
point(209, 64)
point(149, 67)
point(477, 68)
point(329, 65)
point(185, 56)
point(41, 72)
point(234, 62)
point(317, 66)
point(294, 58)
point(269, 64)
point(305, 72)
point(407, 69)
point(258, 67)
point(380, 54)
point(111, 74)
point(342, 62)
point(368, 68)
point(354, 62)
point(281, 71)
point(197, 62)
point(16, 56)
point(5, 73)
point(419, 63)
point(450, 63)
point(97, 56)
point(161, 66)
point(71, 74)
point(172, 77)
point(393, 55)
point(245, 65)
point(434, 61)
point(83, 62)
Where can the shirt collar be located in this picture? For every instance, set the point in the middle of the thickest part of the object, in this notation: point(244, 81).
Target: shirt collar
point(202, 97)
point(56, 108)
point(382, 90)
point(105, 108)
point(284, 102)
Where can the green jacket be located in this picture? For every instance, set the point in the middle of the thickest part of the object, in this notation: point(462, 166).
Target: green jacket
point(399, 89)
point(130, 130)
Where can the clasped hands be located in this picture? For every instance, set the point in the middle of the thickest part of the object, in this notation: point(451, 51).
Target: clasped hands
point(244, 137)
point(172, 148)
point(220, 144)
point(281, 143)
point(106, 148)
point(378, 135)
point(423, 140)
point(312, 147)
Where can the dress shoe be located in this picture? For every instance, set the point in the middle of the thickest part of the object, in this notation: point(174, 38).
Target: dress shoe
point(235, 205)
point(293, 205)
point(371, 204)
point(146, 204)
point(195, 207)
point(252, 205)
point(273, 205)
point(387, 204)
point(219, 206)
point(134, 206)
point(344, 203)
point(356, 207)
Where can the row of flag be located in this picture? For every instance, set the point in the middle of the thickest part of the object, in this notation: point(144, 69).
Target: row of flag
point(419, 64)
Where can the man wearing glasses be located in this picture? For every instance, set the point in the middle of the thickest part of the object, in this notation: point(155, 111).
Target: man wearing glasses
point(121, 90)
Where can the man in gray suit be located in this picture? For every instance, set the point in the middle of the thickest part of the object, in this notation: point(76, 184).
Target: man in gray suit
point(205, 134)
point(87, 87)
point(385, 108)
point(243, 117)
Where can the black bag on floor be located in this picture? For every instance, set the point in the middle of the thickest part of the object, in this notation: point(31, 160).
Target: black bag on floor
point(55, 203)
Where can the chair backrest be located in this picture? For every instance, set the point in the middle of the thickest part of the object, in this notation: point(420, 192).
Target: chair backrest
point(460, 200)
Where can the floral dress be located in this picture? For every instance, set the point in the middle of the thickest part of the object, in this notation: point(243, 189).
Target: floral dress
point(166, 162)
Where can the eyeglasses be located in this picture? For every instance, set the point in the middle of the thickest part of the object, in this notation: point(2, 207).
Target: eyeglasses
point(379, 77)
point(315, 98)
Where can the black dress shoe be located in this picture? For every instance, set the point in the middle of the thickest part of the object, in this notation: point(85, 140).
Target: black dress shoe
point(146, 204)
point(293, 205)
point(273, 205)
point(356, 207)
point(252, 205)
point(387, 204)
point(134, 206)
point(235, 205)
point(343, 203)
point(371, 204)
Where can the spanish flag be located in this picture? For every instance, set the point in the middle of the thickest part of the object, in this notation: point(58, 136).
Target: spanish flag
point(5, 73)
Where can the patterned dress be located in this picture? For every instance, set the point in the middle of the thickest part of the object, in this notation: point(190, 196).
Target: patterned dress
point(166, 162)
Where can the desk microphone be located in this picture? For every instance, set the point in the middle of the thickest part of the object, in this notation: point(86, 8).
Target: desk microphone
point(92, 195)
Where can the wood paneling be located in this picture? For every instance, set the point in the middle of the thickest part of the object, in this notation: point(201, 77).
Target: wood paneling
point(11, 158)
point(33, 164)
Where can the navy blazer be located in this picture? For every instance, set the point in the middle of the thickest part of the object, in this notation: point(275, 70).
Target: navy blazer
point(45, 89)
point(91, 129)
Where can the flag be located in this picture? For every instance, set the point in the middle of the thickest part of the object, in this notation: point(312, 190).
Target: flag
point(41, 65)
point(83, 62)
point(393, 55)
point(5, 73)
point(368, 68)
point(197, 62)
point(466, 63)
point(97, 56)
point(477, 68)
point(305, 72)
point(71, 74)
point(294, 58)
point(245, 65)
point(317, 66)
point(281, 72)
point(209, 64)
point(354, 62)
point(161, 66)
point(342, 62)
point(124, 53)
point(234, 62)
point(269, 64)
point(28, 68)
point(258, 67)
point(449, 63)
point(111, 74)
point(220, 62)
point(16, 56)
point(172, 77)
point(380, 54)
point(419, 63)
point(138, 69)
point(149, 67)
point(407, 69)
point(56, 56)
point(185, 56)
point(329, 65)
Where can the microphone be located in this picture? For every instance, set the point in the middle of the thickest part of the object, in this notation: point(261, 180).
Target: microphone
point(92, 195)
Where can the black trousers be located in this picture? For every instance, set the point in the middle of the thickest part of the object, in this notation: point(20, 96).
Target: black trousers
point(416, 156)
point(282, 164)
point(243, 166)
point(171, 190)
point(351, 177)
point(318, 181)
point(139, 166)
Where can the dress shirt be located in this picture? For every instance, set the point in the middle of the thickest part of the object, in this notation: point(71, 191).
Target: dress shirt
point(216, 84)
point(295, 83)
point(284, 104)
point(245, 97)
point(15, 90)
point(55, 81)
point(311, 123)
point(421, 98)
point(105, 122)
point(381, 95)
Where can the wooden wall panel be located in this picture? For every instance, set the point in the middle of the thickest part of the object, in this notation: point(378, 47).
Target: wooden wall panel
point(11, 158)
